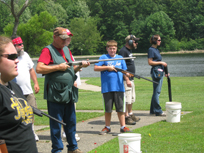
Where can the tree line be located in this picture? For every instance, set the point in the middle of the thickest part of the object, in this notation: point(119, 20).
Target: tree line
point(180, 23)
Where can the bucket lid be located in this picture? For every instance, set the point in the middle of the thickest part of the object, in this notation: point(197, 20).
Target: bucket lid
point(129, 135)
point(174, 105)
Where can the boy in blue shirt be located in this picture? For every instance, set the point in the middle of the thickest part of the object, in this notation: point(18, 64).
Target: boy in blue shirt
point(112, 86)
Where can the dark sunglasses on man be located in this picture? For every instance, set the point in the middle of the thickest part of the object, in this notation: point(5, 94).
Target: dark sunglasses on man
point(10, 56)
point(19, 44)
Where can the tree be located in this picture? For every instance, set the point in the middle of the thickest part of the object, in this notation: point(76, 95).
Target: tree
point(35, 33)
point(157, 23)
point(77, 9)
point(55, 9)
point(14, 5)
point(197, 25)
point(5, 16)
point(86, 36)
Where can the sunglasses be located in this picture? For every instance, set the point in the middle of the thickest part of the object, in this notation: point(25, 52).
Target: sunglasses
point(10, 56)
point(159, 40)
point(19, 44)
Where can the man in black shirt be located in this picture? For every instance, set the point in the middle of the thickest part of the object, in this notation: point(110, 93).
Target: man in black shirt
point(126, 51)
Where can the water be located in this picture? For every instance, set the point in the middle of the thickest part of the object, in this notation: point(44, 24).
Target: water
point(179, 65)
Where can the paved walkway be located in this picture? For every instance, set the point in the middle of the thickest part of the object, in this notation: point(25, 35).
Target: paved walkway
point(89, 130)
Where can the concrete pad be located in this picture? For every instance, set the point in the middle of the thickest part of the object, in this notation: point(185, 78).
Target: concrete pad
point(89, 130)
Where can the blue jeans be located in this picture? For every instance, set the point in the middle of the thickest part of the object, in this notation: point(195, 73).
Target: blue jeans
point(65, 112)
point(155, 108)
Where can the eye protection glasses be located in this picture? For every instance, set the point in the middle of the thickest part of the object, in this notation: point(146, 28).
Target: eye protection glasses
point(10, 56)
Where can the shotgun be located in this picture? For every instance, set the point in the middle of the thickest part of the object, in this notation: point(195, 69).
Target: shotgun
point(134, 75)
point(40, 113)
point(96, 61)
point(169, 83)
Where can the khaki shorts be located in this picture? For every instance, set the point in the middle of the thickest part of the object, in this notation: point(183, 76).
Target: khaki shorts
point(130, 94)
point(31, 100)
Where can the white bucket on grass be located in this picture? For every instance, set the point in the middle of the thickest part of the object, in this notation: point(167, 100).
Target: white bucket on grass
point(129, 142)
point(173, 112)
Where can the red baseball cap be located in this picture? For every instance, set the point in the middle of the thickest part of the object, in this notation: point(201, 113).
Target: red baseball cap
point(69, 32)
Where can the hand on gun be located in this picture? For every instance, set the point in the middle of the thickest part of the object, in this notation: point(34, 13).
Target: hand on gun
point(63, 66)
point(85, 63)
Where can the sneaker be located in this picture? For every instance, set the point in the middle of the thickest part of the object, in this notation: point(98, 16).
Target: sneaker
point(134, 118)
point(129, 121)
point(75, 151)
point(104, 131)
point(125, 129)
point(162, 114)
point(64, 136)
point(36, 137)
point(77, 137)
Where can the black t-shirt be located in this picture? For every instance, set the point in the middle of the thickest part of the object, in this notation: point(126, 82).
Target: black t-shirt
point(16, 120)
point(125, 52)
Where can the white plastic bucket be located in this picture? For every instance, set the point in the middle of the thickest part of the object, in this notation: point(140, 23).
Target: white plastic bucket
point(129, 142)
point(173, 112)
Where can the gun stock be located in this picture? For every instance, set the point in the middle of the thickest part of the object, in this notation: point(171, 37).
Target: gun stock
point(134, 75)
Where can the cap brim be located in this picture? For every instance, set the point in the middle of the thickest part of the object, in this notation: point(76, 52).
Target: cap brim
point(70, 34)
point(63, 36)
point(136, 39)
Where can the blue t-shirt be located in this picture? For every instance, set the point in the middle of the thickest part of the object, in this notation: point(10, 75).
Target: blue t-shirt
point(155, 54)
point(112, 81)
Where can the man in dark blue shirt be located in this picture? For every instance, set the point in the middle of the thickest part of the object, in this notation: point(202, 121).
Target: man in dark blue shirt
point(126, 51)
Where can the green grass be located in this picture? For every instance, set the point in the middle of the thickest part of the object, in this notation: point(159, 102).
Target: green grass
point(186, 136)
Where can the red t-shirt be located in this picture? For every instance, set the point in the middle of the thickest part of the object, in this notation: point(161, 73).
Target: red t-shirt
point(46, 57)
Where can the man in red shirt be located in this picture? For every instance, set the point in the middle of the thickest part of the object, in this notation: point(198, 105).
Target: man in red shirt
point(59, 90)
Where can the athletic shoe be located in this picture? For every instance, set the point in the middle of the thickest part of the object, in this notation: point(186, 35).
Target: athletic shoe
point(162, 114)
point(125, 130)
point(65, 139)
point(77, 137)
point(129, 121)
point(75, 151)
point(64, 136)
point(134, 118)
point(104, 131)
point(36, 137)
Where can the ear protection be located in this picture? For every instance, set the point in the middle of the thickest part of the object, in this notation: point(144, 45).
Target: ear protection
point(153, 40)
point(130, 42)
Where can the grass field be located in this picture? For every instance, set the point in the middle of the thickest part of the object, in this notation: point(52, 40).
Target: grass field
point(186, 136)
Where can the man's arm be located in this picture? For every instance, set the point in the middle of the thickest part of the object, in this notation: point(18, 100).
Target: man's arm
point(45, 69)
point(84, 64)
point(35, 81)
point(127, 80)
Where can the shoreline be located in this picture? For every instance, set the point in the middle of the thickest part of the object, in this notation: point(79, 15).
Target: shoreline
point(138, 54)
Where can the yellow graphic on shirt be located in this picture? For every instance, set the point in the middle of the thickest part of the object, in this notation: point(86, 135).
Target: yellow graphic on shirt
point(24, 111)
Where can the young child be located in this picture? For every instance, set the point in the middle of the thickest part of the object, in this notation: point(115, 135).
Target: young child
point(112, 86)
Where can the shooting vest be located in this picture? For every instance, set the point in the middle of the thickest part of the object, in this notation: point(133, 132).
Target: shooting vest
point(59, 85)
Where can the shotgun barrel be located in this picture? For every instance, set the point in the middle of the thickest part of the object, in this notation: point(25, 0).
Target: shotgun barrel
point(96, 61)
point(134, 75)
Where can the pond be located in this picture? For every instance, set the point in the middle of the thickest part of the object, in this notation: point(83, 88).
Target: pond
point(179, 65)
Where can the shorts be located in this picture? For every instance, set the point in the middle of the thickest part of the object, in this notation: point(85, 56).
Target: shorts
point(114, 97)
point(31, 100)
point(130, 94)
